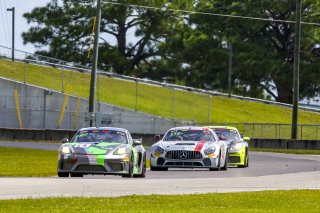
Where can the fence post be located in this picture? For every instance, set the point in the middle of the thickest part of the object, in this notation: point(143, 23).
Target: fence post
point(317, 133)
point(279, 131)
point(136, 107)
point(301, 132)
point(62, 80)
point(209, 110)
point(172, 102)
point(98, 96)
point(25, 71)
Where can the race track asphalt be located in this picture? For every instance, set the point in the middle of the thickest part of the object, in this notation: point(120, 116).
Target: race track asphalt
point(267, 171)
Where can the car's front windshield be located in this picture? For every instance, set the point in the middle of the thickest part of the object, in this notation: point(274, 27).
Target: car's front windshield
point(111, 136)
point(189, 135)
point(228, 134)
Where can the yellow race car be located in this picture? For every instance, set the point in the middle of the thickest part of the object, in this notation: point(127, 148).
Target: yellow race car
point(238, 151)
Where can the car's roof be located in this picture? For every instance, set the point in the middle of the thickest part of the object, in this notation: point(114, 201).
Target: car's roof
point(189, 127)
point(222, 127)
point(104, 128)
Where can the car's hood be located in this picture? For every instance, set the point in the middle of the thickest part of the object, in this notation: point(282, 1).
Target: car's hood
point(101, 148)
point(184, 145)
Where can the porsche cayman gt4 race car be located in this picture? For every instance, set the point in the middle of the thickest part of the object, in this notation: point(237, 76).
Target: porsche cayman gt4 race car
point(237, 146)
point(104, 150)
point(189, 147)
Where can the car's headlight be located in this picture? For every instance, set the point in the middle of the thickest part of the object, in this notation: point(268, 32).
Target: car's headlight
point(158, 150)
point(120, 151)
point(65, 150)
point(210, 150)
point(236, 146)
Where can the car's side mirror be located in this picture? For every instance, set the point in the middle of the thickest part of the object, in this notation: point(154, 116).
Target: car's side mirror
point(137, 142)
point(65, 140)
point(157, 137)
point(246, 138)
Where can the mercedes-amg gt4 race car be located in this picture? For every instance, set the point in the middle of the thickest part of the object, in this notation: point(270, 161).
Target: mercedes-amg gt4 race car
point(189, 147)
point(103, 150)
point(237, 146)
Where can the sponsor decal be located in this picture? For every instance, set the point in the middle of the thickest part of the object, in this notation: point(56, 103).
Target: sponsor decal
point(82, 145)
point(199, 146)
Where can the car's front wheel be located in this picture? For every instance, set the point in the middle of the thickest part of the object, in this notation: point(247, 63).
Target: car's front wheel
point(225, 166)
point(144, 168)
point(218, 164)
point(246, 160)
point(130, 172)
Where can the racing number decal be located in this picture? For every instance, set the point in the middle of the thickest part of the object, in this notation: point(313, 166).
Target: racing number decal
point(82, 145)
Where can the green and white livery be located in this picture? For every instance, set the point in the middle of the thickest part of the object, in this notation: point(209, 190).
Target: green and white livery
point(103, 150)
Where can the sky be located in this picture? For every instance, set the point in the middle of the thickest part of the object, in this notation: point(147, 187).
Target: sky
point(21, 25)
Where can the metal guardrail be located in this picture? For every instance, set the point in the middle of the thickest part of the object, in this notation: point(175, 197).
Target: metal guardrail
point(52, 62)
point(273, 130)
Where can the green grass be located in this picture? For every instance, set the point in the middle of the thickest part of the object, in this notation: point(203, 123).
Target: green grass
point(288, 151)
point(27, 162)
point(155, 100)
point(18, 162)
point(158, 101)
point(267, 201)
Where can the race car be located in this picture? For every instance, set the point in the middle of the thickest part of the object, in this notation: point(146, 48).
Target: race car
point(103, 150)
point(237, 146)
point(189, 147)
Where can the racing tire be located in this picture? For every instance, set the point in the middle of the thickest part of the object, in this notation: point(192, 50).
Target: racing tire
point(63, 174)
point(76, 175)
point(152, 168)
point(218, 167)
point(130, 172)
point(225, 167)
point(247, 162)
point(143, 169)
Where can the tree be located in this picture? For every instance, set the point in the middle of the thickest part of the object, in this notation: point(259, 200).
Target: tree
point(268, 63)
point(66, 29)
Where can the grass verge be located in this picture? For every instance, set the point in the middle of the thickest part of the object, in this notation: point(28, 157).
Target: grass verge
point(288, 151)
point(19, 162)
point(153, 99)
point(267, 201)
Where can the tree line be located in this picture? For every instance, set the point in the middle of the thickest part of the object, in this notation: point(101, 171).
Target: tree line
point(165, 43)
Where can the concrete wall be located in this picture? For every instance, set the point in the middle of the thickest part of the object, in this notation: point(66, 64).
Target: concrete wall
point(284, 144)
point(40, 109)
point(57, 135)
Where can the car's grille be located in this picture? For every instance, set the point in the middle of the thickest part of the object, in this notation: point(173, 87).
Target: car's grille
point(186, 164)
point(183, 155)
point(91, 168)
point(234, 159)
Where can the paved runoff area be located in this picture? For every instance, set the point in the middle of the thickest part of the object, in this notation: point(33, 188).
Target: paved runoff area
point(12, 188)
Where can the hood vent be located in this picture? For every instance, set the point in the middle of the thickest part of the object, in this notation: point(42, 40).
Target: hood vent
point(185, 144)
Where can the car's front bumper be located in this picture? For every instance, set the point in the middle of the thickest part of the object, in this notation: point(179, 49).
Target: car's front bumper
point(237, 158)
point(163, 162)
point(93, 164)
